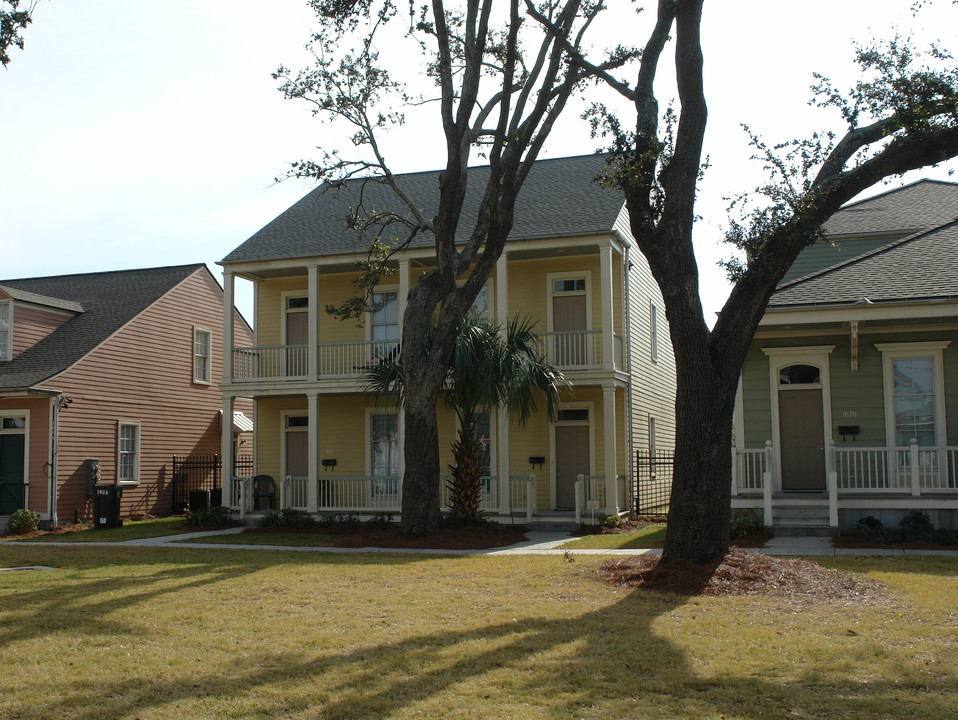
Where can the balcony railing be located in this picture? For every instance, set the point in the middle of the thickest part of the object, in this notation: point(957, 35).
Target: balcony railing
point(291, 362)
point(568, 350)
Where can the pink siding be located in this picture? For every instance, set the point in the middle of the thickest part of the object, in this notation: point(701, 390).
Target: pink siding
point(31, 325)
point(38, 444)
point(144, 373)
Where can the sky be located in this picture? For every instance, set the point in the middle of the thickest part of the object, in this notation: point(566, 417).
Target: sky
point(143, 134)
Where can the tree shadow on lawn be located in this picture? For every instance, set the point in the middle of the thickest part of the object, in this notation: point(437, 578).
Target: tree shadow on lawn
point(609, 662)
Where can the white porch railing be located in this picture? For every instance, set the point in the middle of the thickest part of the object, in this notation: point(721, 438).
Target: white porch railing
point(269, 362)
point(359, 494)
point(749, 466)
point(294, 493)
point(290, 362)
point(572, 349)
point(488, 495)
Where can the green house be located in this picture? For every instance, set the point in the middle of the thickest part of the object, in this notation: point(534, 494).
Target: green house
point(848, 401)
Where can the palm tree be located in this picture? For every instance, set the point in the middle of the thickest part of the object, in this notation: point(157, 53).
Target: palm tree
point(486, 370)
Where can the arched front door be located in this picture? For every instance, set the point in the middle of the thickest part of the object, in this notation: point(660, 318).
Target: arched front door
point(801, 428)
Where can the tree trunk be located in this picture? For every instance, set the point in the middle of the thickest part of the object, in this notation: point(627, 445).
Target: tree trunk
point(420, 483)
point(698, 527)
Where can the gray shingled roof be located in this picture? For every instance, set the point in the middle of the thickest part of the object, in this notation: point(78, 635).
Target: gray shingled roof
point(109, 300)
point(558, 198)
point(923, 266)
point(922, 205)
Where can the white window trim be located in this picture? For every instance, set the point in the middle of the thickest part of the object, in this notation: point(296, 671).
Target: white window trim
point(6, 351)
point(899, 351)
point(284, 310)
point(369, 315)
point(590, 406)
point(285, 415)
point(780, 357)
point(209, 358)
point(139, 451)
point(551, 293)
point(653, 331)
point(367, 451)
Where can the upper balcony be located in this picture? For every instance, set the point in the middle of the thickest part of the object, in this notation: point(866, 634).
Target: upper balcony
point(569, 351)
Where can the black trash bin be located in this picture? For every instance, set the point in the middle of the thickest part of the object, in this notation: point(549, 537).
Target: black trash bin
point(199, 500)
point(216, 497)
point(106, 506)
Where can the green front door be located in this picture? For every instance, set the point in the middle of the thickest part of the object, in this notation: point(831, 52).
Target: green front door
point(803, 440)
point(11, 473)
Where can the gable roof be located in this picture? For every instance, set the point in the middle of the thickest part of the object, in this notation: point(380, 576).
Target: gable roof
point(923, 266)
point(558, 198)
point(922, 205)
point(109, 300)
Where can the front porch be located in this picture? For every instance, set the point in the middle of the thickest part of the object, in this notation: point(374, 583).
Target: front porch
point(858, 481)
point(515, 500)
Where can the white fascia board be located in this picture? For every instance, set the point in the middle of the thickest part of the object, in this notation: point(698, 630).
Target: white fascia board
point(861, 312)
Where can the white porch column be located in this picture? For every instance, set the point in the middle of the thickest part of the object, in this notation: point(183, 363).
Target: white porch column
point(226, 450)
point(608, 304)
point(228, 301)
point(312, 457)
point(312, 363)
point(503, 451)
point(608, 450)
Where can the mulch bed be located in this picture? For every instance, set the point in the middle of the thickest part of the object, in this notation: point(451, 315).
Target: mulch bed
point(740, 573)
point(756, 539)
point(451, 536)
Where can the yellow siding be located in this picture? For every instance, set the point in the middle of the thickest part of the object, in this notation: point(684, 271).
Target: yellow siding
point(529, 290)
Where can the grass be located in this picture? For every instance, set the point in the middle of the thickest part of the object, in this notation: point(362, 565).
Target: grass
point(292, 539)
point(131, 530)
point(651, 536)
point(190, 633)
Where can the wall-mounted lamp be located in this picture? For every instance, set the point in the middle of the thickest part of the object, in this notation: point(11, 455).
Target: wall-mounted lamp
point(328, 464)
point(536, 460)
point(64, 402)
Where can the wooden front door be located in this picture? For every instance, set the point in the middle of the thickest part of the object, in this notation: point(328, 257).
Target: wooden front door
point(572, 460)
point(569, 321)
point(297, 333)
point(802, 439)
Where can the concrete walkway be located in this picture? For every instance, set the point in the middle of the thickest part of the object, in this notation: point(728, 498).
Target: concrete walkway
point(537, 543)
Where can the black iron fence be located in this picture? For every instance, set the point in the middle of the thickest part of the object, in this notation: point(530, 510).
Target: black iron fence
point(203, 474)
point(652, 491)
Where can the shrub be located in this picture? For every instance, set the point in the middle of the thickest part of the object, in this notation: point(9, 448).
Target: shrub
point(916, 520)
point(269, 520)
point(743, 523)
point(611, 521)
point(22, 521)
point(380, 520)
point(869, 523)
point(209, 517)
point(288, 518)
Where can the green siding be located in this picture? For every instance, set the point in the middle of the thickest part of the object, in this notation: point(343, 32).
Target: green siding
point(857, 397)
point(823, 254)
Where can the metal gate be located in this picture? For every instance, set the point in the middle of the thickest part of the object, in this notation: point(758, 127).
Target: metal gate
point(653, 487)
point(202, 472)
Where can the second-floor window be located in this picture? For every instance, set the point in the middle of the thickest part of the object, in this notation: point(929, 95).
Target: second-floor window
point(6, 332)
point(384, 323)
point(654, 330)
point(202, 350)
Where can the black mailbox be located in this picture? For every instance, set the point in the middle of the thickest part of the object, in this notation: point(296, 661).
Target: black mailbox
point(106, 506)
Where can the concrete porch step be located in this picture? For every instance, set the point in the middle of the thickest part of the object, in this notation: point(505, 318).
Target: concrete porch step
point(802, 530)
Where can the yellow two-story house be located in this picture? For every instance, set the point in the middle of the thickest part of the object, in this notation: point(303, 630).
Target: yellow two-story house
point(570, 264)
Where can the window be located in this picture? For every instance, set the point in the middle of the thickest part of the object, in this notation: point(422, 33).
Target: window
point(384, 323)
point(799, 375)
point(128, 452)
point(480, 306)
point(914, 400)
point(484, 436)
point(202, 348)
point(914, 392)
point(6, 312)
point(384, 453)
point(568, 285)
point(654, 331)
point(651, 436)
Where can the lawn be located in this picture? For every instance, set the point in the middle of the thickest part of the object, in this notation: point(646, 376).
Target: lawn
point(131, 530)
point(650, 536)
point(186, 632)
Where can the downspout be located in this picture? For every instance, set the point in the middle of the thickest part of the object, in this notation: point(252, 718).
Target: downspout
point(54, 447)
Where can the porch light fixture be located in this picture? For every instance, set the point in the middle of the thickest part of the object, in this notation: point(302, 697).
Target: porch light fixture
point(536, 460)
